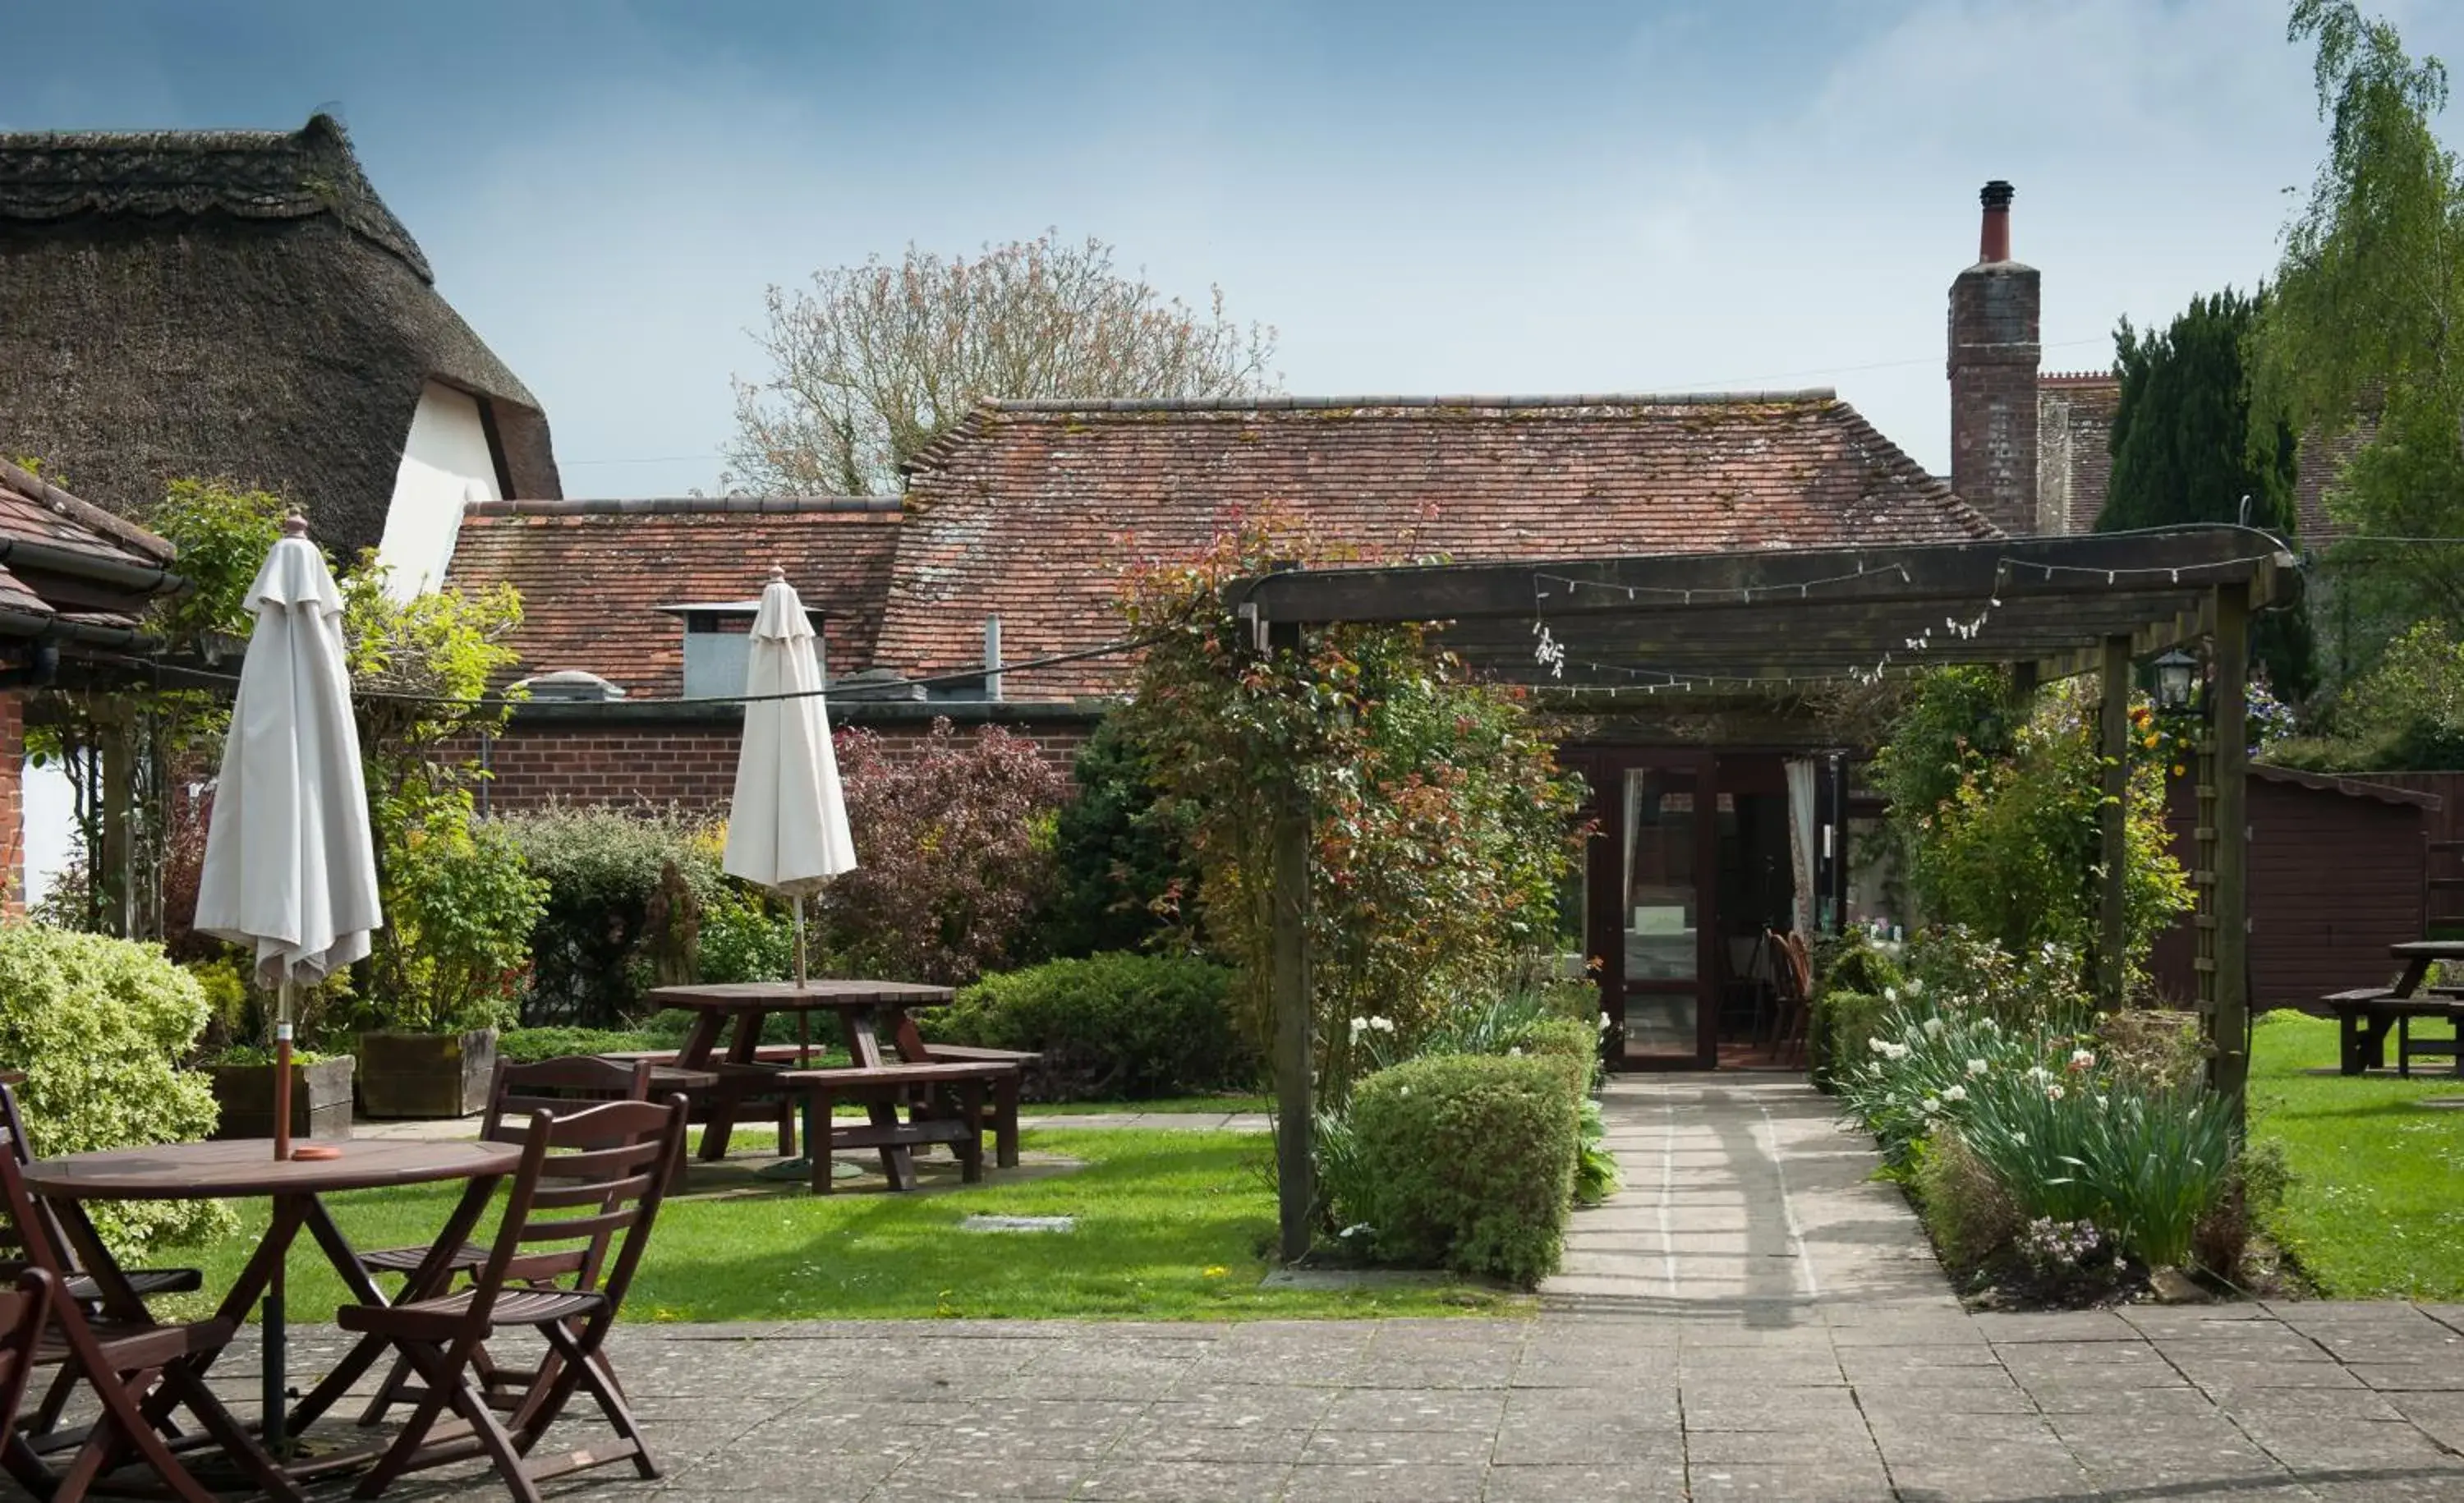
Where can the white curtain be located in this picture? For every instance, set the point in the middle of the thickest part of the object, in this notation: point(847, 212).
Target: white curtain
point(1800, 837)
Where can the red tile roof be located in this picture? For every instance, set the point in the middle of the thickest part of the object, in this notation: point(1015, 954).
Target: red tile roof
point(1026, 509)
point(34, 511)
point(593, 574)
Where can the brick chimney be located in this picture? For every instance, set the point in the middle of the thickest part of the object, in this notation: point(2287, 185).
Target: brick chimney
point(1994, 355)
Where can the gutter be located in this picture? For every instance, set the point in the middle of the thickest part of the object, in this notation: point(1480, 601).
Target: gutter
point(142, 580)
point(22, 625)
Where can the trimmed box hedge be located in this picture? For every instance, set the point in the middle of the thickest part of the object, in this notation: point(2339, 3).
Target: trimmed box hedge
point(1468, 1161)
point(1114, 1026)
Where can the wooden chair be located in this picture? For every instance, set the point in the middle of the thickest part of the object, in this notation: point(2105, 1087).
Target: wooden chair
point(79, 1286)
point(1793, 990)
point(133, 1364)
point(516, 1094)
point(603, 1172)
point(23, 1311)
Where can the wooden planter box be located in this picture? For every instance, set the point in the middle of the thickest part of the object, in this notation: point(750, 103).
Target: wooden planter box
point(426, 1074)
point(321, 1098)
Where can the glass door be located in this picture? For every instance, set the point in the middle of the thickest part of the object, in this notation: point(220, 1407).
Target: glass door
point(1663, 925)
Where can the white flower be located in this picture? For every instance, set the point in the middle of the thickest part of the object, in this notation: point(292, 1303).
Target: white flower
point(1916, 986)
point(1954, 1094)
point(1878, 1045)
point(1890, 994)
point(2039, 1073)
point(1605, 1023)
point(1895, 1050)
point(2054, 1090)
point(1930, 1105)
point(1516, 1052)
point(1359, 1025)
point(2021, 1139)
point(1933, 1028)
point(2101, 1102)
point(2083, 1060)
point(1382, 1025)
point(1975, 1068)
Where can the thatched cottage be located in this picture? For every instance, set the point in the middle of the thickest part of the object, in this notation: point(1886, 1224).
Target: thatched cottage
point(242, 305)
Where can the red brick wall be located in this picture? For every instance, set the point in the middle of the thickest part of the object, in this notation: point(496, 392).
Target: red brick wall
point(1993, 354)
point(693, 767)
point(13, 804)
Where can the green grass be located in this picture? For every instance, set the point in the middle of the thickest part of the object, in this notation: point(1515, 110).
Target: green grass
point(1171, 1227)
point(2376, 1209)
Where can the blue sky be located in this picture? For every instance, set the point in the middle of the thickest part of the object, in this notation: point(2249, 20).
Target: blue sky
point(1420, 198)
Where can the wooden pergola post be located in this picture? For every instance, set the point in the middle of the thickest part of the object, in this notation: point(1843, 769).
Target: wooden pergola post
point(113, 870)
point(1295, 1056)
point(2113, 824)
point(2229, 728)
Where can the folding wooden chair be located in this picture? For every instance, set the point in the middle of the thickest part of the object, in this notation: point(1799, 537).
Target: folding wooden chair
point(23, 1311)
point(562, 1087)
point(79, 1286)
point(124, 1361)
point(605, 1171)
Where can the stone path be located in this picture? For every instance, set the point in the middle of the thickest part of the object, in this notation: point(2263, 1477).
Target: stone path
point(1751, 1318)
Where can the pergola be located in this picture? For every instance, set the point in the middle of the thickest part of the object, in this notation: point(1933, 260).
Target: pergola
point(1767, 621)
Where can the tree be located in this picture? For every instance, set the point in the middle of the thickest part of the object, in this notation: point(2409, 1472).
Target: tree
point(2365, 321)
point(874, 362)
point(2183, 452)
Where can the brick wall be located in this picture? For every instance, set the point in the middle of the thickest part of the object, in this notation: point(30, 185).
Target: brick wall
point(13, 804)
point(2074, 452)
point(1993, 354)
point(690, 765)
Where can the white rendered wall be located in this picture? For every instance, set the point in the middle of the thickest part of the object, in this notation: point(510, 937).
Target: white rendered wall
point(50, 826)
point(444, 463)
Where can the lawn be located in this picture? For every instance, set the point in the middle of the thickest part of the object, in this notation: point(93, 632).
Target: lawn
point(2377, 1206)
point(1172, 1225)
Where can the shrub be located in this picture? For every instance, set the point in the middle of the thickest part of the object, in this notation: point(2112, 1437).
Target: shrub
point(2159, 1050)
point(1110, 1026)
point(529, 1046)
point(602, 868)
point(954, 850)
point(1852, 961)
point(1122, 865)
point(745, 938)
point(1836, 1036)
point(1966, 1206)
point(1470, 1162)
point(96, 1024)
point(460, 907)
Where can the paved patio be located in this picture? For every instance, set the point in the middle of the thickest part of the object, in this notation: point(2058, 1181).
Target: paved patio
point(1751, 1318)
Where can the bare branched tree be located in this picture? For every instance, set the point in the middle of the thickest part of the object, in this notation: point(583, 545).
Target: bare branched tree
point(873, 362)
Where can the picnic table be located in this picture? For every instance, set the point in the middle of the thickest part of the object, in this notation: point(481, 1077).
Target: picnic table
point(734, 1012)
point(245, 1168)
point(2368, 1016)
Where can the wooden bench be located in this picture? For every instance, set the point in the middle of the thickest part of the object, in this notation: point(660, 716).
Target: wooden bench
point(948, 1103)
point(999, 1110)
point(2366, 1015)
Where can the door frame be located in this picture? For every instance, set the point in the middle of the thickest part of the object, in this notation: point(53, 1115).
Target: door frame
point(1605, 769)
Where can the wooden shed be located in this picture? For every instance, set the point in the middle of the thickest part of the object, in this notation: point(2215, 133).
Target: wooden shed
point(2337, 870)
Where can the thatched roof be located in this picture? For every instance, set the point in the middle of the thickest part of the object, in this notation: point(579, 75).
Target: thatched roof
point(230, 305)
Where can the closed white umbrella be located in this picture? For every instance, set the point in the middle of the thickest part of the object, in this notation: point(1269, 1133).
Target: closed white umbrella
point(787, 826)
point(290, 867)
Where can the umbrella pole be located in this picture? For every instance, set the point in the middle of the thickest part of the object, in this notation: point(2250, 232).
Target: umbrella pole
point(803, 1019)
point(272, 1363)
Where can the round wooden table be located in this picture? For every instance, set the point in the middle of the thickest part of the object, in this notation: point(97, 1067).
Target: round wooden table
point(244, 1169)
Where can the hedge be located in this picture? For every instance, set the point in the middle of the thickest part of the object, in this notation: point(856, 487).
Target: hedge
point(95, 1024)
point(1468, 1163)
point(1110, 1026)
point(1842, 1021)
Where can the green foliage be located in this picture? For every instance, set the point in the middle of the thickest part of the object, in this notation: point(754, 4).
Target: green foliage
point(1440, 822)
point(97, 1025)
point(1122, 867)
point(746, 938)
point(529, 1046)
point(460, 908)
point(1835, 1033)
point(223, 535)
point(2405, 715)
point(1469, 1162)
point(1109, 1026)
point(2183, 452)
point(2001, 819)
point(953, 853)
point(603, 868)
point(1967, 1212)
point(2361, 326)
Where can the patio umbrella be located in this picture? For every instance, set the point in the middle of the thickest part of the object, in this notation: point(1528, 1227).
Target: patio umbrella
point(787, 826)
point(290, 868)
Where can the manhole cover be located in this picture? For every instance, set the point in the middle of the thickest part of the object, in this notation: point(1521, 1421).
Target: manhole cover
point(1018, 1223)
